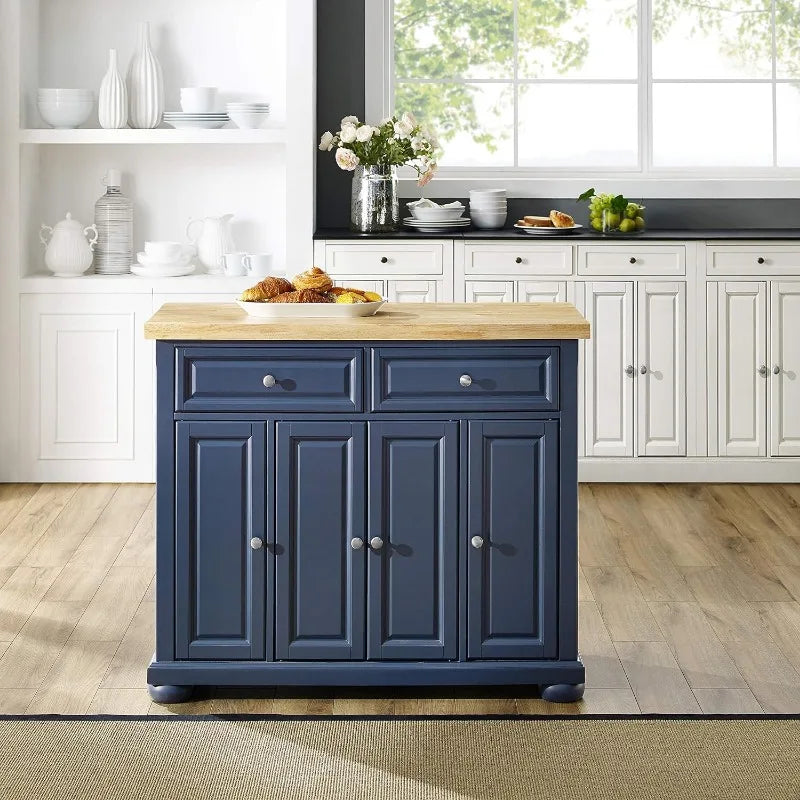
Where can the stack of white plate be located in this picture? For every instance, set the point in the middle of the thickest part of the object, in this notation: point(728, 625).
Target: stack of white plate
point(488, 208)
point(164, 267)
point(248, 115)
point(209, 121)
point(436, 226)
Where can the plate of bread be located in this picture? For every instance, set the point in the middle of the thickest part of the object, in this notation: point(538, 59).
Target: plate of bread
point(309, 294)
point(558, 222)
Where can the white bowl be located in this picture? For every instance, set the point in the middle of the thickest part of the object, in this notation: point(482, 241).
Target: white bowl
point(248, 120)
point(488, 209)
point(488, 221)
point(198, 99)
point(65, 92)
point(436, 214)
point(65, 113)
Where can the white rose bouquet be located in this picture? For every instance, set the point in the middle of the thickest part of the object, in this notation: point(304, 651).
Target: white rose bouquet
point(396, 141)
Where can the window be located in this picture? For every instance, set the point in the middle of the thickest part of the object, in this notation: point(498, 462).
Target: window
point(572, 87)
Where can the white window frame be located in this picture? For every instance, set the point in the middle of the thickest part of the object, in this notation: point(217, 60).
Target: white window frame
point(640, 181)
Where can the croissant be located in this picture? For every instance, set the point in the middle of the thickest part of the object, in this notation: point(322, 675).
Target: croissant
point(315, 278)
point(561, 220)
point(266, 290)
point(300, 296)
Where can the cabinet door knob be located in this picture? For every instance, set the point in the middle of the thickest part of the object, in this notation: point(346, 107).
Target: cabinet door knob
point(384, 260)
point(630, 370)
point(356, 543)
point(760, 259)
point(269, 381)
point(518, 259)
point(465, 380)
point(477, 542)
point(632, 259)
point(256, 543)
point(776, 370)
point(643, 369)
point(762, 370)
point(376, 542)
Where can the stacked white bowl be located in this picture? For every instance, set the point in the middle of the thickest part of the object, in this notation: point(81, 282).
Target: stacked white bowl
point(248, 115)
point(65, 108)
point(488, 208)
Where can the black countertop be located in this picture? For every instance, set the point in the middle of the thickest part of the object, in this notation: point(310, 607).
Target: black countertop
point(760, 234)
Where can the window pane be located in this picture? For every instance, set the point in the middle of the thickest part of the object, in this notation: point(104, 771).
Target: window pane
point(787, 39)
point(474, 122)
point(578, 125)
point(712, 125)
point(436, 39)
point(730, 39)
point(577, 39)
point(788, 124)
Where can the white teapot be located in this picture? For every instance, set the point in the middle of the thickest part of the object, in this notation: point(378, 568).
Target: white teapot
point(69, 253)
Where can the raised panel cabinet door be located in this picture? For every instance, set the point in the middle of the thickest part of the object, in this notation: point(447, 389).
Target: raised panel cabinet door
point(512, 539)
point(490, 291)
point(220, 540)
point(785, 368)
point(413, 291)
point(742, 371)
point(542, 292)
point(609, 370)
point(320, 558)
point(661, 382)
point(413, 535)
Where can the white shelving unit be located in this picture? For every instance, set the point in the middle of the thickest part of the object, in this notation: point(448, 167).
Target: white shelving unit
point(57, 333)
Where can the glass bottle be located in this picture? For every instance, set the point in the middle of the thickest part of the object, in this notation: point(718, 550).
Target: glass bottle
point(113, 215)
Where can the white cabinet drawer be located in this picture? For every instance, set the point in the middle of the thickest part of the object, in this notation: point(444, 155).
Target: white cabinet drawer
point(631, 260)
point(386, 258)
point(490, 291)
point(522, 258)
point(752, 260)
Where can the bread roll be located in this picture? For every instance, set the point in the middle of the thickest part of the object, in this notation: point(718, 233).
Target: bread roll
point(539, 222)
point(562, 220)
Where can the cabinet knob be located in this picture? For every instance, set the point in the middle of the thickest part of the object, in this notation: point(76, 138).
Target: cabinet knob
point(643, 369)
point(632, 259)
point(776, 370)
point(256, 543)
point(376, 542)
point(384, 260)
point(630, 370)
point(269, 381)
point(760, 259)
point(477, 542)
point(465, 380)
point(762, 370)
point(518, 259)
point(356, 543)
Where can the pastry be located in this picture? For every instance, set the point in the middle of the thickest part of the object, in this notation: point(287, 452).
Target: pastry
point(315, 278)
point(301, 296)
point(539, 222)
point(372, 297)
point(266, 290)
point(350, 297)
point(335, 291)
point(562, 220)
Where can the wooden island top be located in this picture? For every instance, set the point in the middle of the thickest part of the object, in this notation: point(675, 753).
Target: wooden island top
point(394, 322)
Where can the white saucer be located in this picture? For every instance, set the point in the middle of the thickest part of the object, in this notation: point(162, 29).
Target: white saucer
point(162, 271)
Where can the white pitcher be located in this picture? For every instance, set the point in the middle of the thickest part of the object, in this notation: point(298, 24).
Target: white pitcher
point(212, 239)
point(69, 253)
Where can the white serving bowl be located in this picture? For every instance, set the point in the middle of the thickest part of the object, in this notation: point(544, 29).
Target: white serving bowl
point(65, 113)
point(248, 120)
point(436, 214)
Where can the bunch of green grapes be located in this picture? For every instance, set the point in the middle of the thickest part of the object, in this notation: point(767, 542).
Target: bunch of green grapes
point(620, 214)
point(597, 204)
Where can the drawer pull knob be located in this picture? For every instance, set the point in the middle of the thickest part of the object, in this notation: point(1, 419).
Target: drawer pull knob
point(630, 370)
point(376, 542)
point(643, 369)
point(761, 259)
point(762, 370)
point(384, 260)
point(633, 259)
point(465, 380)
point(518, 259)
point(776, 370)
point(256, 543)
point(356, 543)
point(477, 542)
point(269, 381)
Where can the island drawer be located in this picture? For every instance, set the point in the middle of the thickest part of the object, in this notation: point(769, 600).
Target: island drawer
point(469, 379)
point(269, 379)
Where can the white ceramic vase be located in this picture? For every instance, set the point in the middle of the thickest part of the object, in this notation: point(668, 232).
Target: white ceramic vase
point(112, 107)
point(145, 85)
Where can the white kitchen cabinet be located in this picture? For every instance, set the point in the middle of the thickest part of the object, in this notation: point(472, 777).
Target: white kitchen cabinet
point(661, 361)
point(742, 373)
point(523, 257)
point(541, 292)
point(421, 257)
point(86, 388)
point(490, 291)
point(413, 291)
point(627, 259)
point(609, 370)
point(784, 364)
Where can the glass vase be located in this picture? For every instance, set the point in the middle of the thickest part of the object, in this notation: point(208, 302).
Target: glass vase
point(374, 207)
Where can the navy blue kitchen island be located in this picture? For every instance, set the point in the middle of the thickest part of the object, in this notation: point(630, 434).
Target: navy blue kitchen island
point(383, 501)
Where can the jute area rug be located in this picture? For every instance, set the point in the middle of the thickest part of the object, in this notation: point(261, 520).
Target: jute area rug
point(403, 759)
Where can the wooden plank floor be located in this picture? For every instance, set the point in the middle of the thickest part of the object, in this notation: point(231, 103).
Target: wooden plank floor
point(689, 603)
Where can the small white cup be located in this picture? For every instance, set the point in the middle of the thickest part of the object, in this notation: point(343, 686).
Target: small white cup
point(164, 252)
point(234, 265)
point(258, 265)
point(198, 99)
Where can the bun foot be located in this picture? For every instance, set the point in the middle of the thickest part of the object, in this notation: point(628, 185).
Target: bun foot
point(563, 692)
point(170, 694)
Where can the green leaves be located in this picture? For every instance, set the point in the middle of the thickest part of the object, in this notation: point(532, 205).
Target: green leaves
point(586, 195)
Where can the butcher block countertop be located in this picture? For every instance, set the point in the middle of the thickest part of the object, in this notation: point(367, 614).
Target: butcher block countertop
point(394, 322)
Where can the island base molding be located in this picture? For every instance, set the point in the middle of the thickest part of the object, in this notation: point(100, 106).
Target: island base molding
point(688, 470)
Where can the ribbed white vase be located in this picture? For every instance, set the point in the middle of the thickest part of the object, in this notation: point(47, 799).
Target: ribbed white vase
point(112, 105)
point(145, 85)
